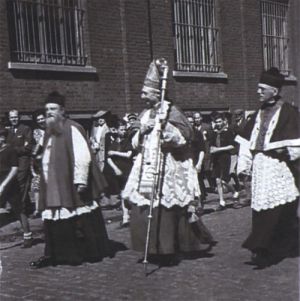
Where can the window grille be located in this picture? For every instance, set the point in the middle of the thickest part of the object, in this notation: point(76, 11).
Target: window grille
point(46, 31)
point(196, 35)
point(275, 35)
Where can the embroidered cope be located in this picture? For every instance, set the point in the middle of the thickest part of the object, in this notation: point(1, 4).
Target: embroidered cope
point(173, 181)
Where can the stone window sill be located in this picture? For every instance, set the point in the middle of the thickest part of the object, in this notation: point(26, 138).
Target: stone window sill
point(186, 74)
point(47, 67)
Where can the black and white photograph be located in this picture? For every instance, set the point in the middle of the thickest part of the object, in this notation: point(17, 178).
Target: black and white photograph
point(149, 150)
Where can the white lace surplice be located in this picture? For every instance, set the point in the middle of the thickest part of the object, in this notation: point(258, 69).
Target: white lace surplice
point(280, 188)
point(179, 184)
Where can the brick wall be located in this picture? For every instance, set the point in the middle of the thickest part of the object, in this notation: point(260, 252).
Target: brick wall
point(294, 34)
point(240, 55)
point(241, 50)
point(122, 35)
point(138, 43)
point(27, 90)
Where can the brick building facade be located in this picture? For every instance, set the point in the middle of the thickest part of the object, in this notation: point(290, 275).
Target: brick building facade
point(121, 36)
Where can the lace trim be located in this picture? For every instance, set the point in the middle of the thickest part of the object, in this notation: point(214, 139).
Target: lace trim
point(64, 213)
point(180, 184)
point(272, 183)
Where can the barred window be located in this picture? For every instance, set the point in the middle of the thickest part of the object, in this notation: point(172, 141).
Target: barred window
point(275, 34)
point(46, 31)
point(196, 36)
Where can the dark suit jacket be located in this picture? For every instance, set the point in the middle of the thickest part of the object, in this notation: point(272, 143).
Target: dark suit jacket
point(22, 142)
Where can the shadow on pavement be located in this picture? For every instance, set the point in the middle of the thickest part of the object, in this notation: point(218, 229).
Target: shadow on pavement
point(165, 261)
point(37, 241)
point(7, 218)
point(266, 264)
point(197, 255)
point(116, 247)
point(11, 245)
point(208, 211)
point(274, 259)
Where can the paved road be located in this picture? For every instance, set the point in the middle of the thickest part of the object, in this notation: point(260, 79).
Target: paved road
point(221, 276)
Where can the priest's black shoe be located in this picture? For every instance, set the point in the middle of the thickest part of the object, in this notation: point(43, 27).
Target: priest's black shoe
point(260, 260)
point(42, 262)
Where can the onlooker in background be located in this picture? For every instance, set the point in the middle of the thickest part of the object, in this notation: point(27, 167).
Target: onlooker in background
point(4, 206)
point(9, 188)
point(238, 123)
point(21, 139)
point(97, 137)
point(38, 136)
point(39, 119)
point(229, 118)
point(198, 148)
point(205, 131)
point(120, 159)
point(71, 182)
point(198, 121)
point(110, 171)
point(222, 142)
point(131, 117)
point(190, 120)
point(133, 125)
point(238, 120)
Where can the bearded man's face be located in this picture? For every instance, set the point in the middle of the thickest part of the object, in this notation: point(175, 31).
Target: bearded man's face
point(54, 116)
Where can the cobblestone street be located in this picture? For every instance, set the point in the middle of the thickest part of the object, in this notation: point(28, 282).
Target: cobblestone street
point(221, 276)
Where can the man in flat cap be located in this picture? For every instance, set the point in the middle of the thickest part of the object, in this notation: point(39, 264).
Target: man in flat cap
point(273, 138)
point(131, 117)
point(133, 124)
point(71, 183)
point(97, 138)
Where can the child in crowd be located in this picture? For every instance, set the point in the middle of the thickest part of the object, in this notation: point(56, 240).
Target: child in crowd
point(222, 142)
point(119, 160)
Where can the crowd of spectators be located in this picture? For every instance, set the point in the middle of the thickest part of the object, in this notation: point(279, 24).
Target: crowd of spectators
point(214, 156)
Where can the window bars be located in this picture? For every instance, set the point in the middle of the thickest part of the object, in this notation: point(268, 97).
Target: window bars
point(46, 31)
point(195, 35)
point(275, 35)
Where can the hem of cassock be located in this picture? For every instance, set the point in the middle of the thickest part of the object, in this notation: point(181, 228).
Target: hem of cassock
point(274, 230)
point(170, 231)
point(78, 239)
